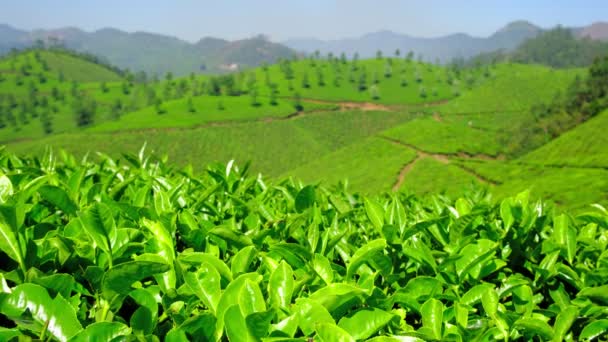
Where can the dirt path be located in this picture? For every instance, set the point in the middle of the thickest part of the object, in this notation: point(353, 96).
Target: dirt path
point(444, 157)
point(348, 105)
point(437, 117)
point(404, 171)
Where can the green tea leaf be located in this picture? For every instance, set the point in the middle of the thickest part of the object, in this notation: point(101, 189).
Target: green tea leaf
point(332, 333)
point(102, 331)
point(364, 254)
point(563, 322)
point(57, 315)
point(280, 286)
point(205, 284)
point(432, 317)
point(59, 198)
point(375, 213)
point(365, 322)
point(305, 198)
point(594, 330)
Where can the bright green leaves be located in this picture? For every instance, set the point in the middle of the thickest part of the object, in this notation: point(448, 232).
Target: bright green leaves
point(103, 331)
point(98, 223)
point(332, 333)
point(6, 189)
point(55, 316)
point(432, 318)
point(205, 283)
point(563, 322)
point(155, 253)
point(365, 322)
point(564, 236)
point(364, 254)
point(59, 198)
point(375, 213)
point(281, 285)
point(119, 280)
point(305, 198)
point(11, 242)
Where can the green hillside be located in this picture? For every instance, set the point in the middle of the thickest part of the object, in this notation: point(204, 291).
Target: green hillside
point(584, 146)
point(380, 124)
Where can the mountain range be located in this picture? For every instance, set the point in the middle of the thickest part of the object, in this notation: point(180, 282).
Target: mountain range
point(159, 54)
point(153, 53)
point(446, 48)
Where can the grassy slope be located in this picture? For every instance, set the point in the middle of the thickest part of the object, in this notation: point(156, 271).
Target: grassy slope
point(371, 166)
point(569, 187)
point(391, 91)
point(586, 146)
point(273, 147)
point(338, 145)
point(479, 120)
point(429, 176)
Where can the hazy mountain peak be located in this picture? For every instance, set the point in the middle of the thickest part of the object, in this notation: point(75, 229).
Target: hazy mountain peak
point(519, 25)
point(598, 30)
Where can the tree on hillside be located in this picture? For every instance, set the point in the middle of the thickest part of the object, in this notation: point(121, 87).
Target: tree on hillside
point(116, 110)
point(362, 85)
point(158, 107)
point(404, 82)
point(320, 77)
point(84, 109)
point(343, 59)
point(305, 81)
point(47, 123)
point(273, 96)
point(253, 96)
point(190, 105)
point(397, 53)
point(126, 88)
point(388, 70)
point(410, 56)
point(169, 76)
point(374, 92)
point(297, 102)
point(104, 87)
point(379, 54)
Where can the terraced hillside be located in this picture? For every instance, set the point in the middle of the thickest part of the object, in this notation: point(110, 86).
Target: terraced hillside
point(383, 124)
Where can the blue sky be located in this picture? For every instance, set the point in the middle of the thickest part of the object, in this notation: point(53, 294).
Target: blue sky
point(282, 19)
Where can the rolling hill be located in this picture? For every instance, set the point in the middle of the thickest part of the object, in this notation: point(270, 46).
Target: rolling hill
point(150, 52)
point(451, 137)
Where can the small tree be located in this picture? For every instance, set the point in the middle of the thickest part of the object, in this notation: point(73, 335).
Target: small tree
point(253, 95)
point(104, 87)
point(47, 123)
point(320, 77)
point(343, 59)
point(423, 93)
point(388, 70)
point(305, 81)
point(116, 110)
point(379, 54)
point(362, 81)
point(126, 89)
point(273, 96)
point(404, 82)
point(169, 76)
point(374, 91)
point(397, 53)
point(190, 105)
point(297, 102)
point(158, 107)
point(220, 105)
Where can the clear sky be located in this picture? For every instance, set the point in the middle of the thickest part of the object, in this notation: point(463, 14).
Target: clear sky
point(282, 19)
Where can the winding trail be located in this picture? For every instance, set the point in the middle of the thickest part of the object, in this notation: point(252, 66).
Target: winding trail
point(443, 158)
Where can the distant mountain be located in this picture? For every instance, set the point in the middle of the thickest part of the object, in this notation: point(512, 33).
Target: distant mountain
point(445, 48)
point(596, 31)
point(153, 53)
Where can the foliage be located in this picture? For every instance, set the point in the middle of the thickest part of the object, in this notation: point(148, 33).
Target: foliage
point(139, 250)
